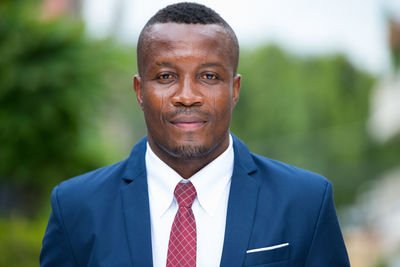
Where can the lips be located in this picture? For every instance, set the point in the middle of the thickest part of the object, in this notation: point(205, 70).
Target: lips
point(188, 123)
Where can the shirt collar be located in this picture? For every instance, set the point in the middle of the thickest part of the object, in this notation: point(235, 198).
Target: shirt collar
point(210, 182)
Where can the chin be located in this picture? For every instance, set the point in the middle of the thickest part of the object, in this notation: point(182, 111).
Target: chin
point(186, 151)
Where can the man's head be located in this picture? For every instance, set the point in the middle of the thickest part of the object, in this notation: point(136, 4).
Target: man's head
point(187, 84)
point(187, 13)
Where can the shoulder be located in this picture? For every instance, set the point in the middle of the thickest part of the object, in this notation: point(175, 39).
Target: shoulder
point(90, 186)
point(278, 178)
point(286, 173)
point(103, 181)
point(289, 183)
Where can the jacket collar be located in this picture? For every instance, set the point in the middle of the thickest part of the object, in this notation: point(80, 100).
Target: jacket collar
point(136, 166)
point(241, 207)
point(135, 205)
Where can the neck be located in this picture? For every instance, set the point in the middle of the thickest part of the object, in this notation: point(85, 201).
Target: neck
point(187, 167)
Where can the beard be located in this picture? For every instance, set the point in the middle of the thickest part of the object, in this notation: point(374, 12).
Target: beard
point(189, 151)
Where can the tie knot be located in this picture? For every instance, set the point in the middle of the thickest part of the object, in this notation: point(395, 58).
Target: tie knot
point(185, 193)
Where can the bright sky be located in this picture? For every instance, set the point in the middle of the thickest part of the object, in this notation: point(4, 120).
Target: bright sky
point(354, 27)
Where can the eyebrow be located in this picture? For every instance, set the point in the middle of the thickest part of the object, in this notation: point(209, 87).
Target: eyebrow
point(212, 64)
point(207, 64)
point(164, 64)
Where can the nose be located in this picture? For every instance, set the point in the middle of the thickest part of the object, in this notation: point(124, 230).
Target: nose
point(187, 94)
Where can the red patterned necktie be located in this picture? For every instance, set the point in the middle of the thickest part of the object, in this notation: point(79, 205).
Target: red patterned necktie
point(182, 240)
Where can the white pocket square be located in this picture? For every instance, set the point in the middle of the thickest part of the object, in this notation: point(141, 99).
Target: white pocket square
point(267, 248)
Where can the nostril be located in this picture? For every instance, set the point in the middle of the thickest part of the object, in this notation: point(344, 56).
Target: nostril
point(187, 102)
point(187, 98)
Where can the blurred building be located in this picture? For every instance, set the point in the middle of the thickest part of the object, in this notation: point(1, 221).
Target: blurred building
point(55, 8)
point(384, 123)
point(373, 224)
point(373, 227)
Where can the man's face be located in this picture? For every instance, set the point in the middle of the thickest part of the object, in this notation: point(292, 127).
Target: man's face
point(187, 89)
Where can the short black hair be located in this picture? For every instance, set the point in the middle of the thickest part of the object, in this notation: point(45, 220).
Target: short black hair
point(189, 13)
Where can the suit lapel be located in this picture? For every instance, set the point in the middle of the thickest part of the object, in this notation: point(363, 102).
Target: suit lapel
point(135, 205)
point(241, 207)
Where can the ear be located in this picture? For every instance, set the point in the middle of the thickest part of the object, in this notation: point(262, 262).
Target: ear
point(236, 87)
point(137, 86)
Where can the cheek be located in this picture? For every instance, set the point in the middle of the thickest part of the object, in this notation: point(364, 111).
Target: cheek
point(222, 106)
point(162, 103)
point(223, 100)
point(153, 102)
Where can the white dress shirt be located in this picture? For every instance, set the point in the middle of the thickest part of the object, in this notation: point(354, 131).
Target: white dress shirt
point(212, 185)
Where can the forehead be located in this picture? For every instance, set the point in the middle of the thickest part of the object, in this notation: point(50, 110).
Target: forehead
point(170, 32)
point(180, 40)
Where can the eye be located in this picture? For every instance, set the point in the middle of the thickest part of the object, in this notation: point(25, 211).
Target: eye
point(165, 77)
point(209, 76)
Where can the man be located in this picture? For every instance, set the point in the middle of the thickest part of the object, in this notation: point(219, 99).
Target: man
point(192, 193)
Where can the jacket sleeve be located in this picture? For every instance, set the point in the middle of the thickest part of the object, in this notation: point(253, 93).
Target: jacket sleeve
point(56, 246)
point(327, 246)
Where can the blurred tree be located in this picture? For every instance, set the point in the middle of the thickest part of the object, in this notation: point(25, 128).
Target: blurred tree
point(52, 81)
point(310, 112)
point(394, 41)
point(66, 107)
point(20, 241)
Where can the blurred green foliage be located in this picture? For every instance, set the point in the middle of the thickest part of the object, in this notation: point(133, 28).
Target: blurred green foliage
point(381, 263)
point(54, 91)
point(20, 241)
point(49, 76)
point(310, 112)
point(59, 93)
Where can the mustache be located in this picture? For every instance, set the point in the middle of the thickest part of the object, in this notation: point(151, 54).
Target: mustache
point(188, 111)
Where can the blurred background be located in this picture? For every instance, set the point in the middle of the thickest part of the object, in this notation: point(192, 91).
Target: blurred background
point(321, 90)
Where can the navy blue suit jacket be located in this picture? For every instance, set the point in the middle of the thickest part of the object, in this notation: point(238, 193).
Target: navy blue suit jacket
point(102, 218)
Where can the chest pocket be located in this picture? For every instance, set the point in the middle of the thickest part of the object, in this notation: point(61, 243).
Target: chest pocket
point(267, 256)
